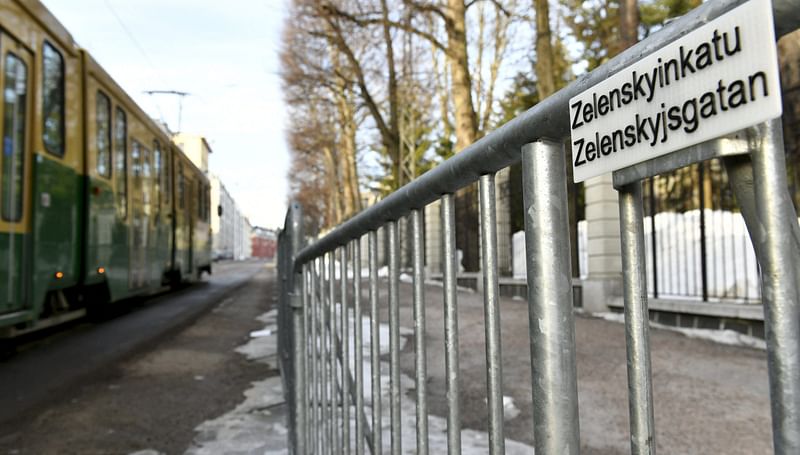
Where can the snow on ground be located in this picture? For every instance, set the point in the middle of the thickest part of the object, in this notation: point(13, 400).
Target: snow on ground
point(729, 337)
point(257, 425)
point(263, 344)
point(510, 410)
point(440, 284)
point(473, 441)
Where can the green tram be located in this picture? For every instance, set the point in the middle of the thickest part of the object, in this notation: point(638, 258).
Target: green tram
point(96, 202)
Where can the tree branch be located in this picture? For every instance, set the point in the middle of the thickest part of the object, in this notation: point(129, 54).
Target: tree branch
point(363, 22)
point(500, 7)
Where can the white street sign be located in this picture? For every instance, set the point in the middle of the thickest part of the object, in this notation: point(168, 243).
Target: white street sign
point(720, 78)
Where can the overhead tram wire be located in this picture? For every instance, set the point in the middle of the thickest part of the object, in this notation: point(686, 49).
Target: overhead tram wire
point(141, 51)
point(180, 95)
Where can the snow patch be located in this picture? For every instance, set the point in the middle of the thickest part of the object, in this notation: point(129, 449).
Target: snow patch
point(256, 425)
point(473, 441)
point(270, 317)
point(262, 349)
point(440, 284)
point(728, 337)
point(510, 410)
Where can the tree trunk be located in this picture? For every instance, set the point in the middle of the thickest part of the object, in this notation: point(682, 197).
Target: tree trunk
point(466, 122)
point(545, 67)
point(347, 162)
point(333, 196)
point(628, 23)
point(393, 146)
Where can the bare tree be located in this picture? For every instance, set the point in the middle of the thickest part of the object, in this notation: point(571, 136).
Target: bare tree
point(628, 23)
point(545, 64)
point(322, 130)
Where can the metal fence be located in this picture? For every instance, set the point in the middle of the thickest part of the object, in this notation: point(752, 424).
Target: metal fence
point(696, 241)
point(321, 282)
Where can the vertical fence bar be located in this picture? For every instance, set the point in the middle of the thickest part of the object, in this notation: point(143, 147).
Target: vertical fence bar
point(552, 326)
point(334, 327)
point(359, 347)
point(652, 200)
point(637, 323)
point(298, 322)
point(345, 344)
point(283, 358)
point(703, 249)
point(304, 282)
point(779, 290)
point(315, 421)
point(375, 342)
point(491, 308)
point(452, 373)
point(420, 357)
point(394, 337)
point(328, 379)
point(322, 356)
point(319, 371)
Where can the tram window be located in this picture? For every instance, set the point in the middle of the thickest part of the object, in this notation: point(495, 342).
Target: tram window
point(120, 160)
point(167, 186)
point(53, 100)
point(136, 159)
point(15, 96)
point(157, 168)
point(199, 201)
point(181, 184)
point(103, 139)
point(204, 212)
point(146, 166)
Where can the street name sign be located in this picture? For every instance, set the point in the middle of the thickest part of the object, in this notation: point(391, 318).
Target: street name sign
point(718, 79)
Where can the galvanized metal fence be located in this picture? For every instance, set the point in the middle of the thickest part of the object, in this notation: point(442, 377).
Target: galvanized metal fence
point(317, 299)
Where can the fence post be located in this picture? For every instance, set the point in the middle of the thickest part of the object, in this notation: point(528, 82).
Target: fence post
point(767, 205)
point(637, 320)
point(772, 222)
point(552, 326)
point(292, 349)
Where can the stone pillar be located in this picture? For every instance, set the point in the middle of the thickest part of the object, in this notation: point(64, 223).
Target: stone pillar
point(404, 235)
point(433, 238)
point(604, 278)
point(364, 243)
point(382, 246)
point(503, 204)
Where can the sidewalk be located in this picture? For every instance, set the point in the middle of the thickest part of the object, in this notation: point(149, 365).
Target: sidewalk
point(709, 397)
point(258, 424)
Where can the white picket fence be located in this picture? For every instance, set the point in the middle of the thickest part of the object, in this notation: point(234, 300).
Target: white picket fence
point(732, 269)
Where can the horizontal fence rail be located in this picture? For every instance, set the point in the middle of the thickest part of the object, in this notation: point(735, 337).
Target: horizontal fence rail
point(337, 403)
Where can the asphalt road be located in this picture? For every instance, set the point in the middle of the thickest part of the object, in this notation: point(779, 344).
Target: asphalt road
point(50, 366)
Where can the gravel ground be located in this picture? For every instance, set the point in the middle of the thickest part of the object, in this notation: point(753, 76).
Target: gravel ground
point(709, 398)
point(155, 399)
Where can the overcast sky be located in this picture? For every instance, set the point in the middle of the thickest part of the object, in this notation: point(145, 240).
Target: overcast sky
point(224, 53)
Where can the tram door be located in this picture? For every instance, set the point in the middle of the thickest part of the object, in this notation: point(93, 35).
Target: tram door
point(16, 65)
